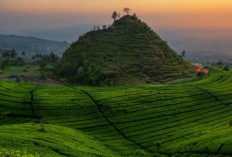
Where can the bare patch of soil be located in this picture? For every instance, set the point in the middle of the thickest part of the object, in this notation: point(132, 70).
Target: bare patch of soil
point(47, 81)
point(179, 80)
point(31, 74)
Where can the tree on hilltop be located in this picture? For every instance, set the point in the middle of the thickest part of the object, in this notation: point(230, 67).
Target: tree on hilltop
point(127, 11)
point(134, 15)
point(119, 15)
point(183, 54)
point(114, 15)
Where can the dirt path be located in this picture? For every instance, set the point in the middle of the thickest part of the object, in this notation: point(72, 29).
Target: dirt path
point(48, 81)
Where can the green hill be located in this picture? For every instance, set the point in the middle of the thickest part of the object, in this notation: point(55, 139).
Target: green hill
point(127, 52)
point(187, 119)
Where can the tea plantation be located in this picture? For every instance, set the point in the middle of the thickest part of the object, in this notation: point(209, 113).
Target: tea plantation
point(187, 119)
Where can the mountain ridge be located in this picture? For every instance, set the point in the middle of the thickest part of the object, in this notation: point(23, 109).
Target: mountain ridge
point(31, 44)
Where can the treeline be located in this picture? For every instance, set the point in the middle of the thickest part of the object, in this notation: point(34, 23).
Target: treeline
point(11, 57)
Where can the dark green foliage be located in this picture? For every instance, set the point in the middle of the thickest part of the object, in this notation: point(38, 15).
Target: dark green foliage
point(128, 52)
point(13, 54)
point(220, 63)
point(43, 64)
point(114, 15)
point(18, 80)
point(44, 59)
point(4, 64)
point(20, 61)
point(6, 54)
point(185, 119)
point(42, 75)
point(200, 74)
point(4, 115)
point(226, 68)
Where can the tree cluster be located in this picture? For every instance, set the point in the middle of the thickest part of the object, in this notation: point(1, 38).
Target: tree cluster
point(9, 54)
point(44, 59)
point(116, 15)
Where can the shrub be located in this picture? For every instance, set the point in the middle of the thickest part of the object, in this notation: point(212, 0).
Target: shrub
point(200, 74)
point(226, 68)
point(63, 80)
point(42, 75)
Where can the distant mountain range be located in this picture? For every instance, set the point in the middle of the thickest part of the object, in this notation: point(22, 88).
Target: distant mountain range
point(32, 45)
point(68, 34)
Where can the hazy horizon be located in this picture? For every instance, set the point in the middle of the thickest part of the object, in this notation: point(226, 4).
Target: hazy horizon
point(26, 14)
point(196, 26)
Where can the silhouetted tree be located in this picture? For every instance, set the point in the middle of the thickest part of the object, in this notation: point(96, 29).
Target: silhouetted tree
point(119, 15)
point(134, 15)
point(114, 15)
point(53, 57)
point(13, 54)
point(127, 10)
point(23, 53)
point(183, 53)
point(158, 144)
point(226, 68)
point(219, 63)
point(6, 54)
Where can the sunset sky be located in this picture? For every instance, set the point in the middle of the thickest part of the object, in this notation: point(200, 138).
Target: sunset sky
point(29, 14)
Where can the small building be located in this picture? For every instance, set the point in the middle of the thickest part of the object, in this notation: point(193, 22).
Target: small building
point(197, 64)
point(104, 27)
point(14, 76)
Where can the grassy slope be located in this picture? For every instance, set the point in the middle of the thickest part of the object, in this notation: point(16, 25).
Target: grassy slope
point(55, 141)
point(188, 119)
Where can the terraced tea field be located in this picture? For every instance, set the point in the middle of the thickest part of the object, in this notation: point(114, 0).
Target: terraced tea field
point(187, 119)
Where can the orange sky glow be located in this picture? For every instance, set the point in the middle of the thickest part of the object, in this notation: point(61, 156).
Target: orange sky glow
point(185, 13)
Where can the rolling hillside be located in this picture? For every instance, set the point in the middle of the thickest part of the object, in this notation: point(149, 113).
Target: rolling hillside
point(187, 119)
